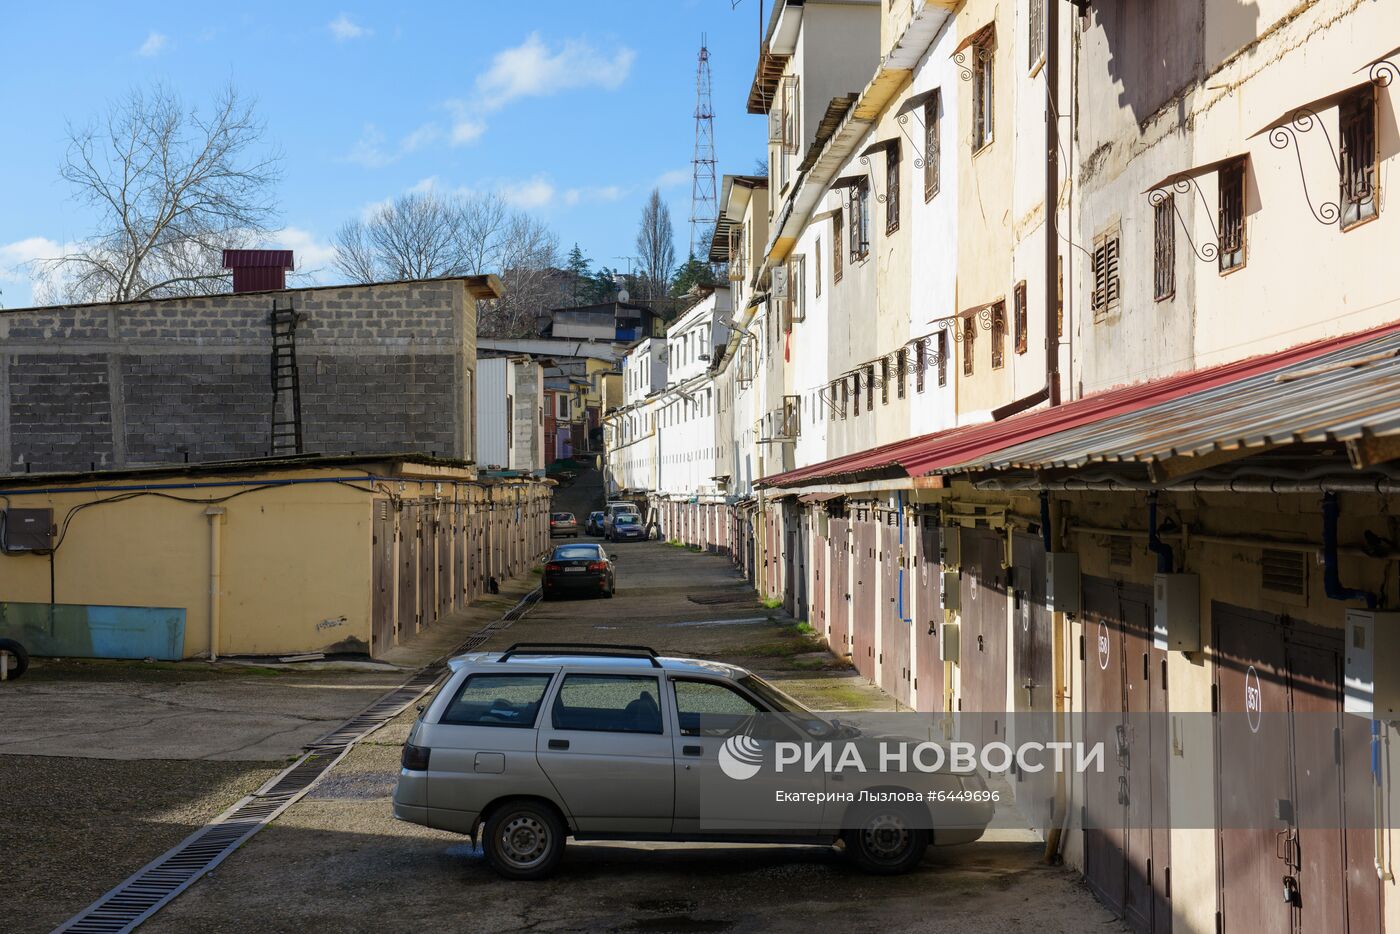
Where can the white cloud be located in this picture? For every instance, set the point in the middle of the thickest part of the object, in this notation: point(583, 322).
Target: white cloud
point(533, 69)
point(343, 28)
point(155, 44)
point(423, 186)
point(425, 135)
point(600, 193)
point(369, 150)
point(313, 257)
point(673, 178)
point(533, 193)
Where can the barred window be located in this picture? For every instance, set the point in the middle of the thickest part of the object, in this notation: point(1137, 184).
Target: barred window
point(1164, 249)
point(845, 398)
point(855, 393)
point(870, 387)
point(836, 246)
point(817, 268)
point(1357, 121)
point(920, 362)
point(998, 335)
point(860, 221)
point(969, 333)
point(892, 189)
point(1020, 313)
point(884, 380)
point(1231, 213)
point(1037, 33)
point(983, 98)
point(942, 358)
point(932, 145)
point(901, 364)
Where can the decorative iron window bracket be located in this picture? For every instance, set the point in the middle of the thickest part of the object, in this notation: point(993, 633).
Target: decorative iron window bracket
point(903, 120)
point(870, 175)
point(1285, 135)
point(1206, 251)
point(981, 55)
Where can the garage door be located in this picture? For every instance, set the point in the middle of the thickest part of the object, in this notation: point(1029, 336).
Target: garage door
point(895, 676)
point(928, 676)
point(840, 606)
point(982, 653)
point(863, 595)
point(1033, 679)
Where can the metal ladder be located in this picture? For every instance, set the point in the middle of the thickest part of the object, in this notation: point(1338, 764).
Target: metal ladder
point(286, 383)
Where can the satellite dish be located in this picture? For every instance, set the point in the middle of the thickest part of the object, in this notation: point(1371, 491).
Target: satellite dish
point(622, 295)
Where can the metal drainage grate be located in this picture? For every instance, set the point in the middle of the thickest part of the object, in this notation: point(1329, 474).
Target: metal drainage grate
point(152, 886)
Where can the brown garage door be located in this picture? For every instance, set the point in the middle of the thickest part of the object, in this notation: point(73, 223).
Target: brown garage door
point(982, 654)
point(863, 595)
point(895, 676)
point(840, 606)
point(1282, 684)
point(382, 625)
point(928, 678)
point(408, 569)
point(1033, 681)
point(427, 564)
point(819, 558)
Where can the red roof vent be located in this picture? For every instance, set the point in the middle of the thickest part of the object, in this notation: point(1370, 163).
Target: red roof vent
point(258, 270)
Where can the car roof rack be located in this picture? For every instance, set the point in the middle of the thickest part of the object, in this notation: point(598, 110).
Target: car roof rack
point(594, 649)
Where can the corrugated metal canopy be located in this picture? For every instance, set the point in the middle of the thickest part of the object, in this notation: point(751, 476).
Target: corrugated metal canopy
point(1339, 389)
point(1339, 396)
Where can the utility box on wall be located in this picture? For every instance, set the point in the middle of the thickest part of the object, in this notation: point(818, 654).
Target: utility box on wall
point(27, 530)
point(950, 547)
point(948, 643)
point(1062, 581)
point(1176, 612)
point(1371, 673)
point(951, 591)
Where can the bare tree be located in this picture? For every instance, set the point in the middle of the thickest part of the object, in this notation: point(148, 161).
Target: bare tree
point(656, 248)
point(424, 235)
point(172, 189)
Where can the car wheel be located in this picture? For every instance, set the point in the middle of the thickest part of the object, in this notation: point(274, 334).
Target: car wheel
point(18, 659)
point(524, 840)
point(886, 842)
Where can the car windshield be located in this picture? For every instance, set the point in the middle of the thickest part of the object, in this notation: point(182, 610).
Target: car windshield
point(784, 703)
point(627, 519)
point(563, 517)
point(576, 551)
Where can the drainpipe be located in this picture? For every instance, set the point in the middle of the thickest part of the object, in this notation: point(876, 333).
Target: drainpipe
point(1045, 520)
point(1161, 549)
point(1051, 390)
point(1055, 834)
point(215, 514)
point(1331, 577)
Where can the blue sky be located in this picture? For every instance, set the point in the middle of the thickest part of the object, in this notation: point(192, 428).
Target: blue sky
point(572, 110)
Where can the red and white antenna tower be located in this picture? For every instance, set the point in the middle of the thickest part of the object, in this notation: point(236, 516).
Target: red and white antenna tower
point(704, 201)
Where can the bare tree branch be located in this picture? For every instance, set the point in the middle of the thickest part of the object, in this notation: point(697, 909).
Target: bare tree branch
point(172, 188)
point(656, 248)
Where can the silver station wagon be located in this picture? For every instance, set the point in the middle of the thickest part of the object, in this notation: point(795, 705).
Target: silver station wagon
point(543, 742)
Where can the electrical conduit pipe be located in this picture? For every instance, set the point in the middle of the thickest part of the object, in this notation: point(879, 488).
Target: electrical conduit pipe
point(215, 515)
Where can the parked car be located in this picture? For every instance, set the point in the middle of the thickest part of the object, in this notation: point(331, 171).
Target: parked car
point(614, 510)
point(627, 527)
point(582, 568)
point(594, 524)
point(563, 525)
point(543, 742)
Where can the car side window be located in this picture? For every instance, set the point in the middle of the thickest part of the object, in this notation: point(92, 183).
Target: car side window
point(707, 708)
point(608, 703)
point(498, 700)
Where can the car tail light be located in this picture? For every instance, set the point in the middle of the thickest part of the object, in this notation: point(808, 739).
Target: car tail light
point(415, 758)
point(597, 566)
point(553, 567)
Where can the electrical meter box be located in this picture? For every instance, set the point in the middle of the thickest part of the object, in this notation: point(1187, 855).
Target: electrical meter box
point(28, 530)
point(1062, 581)
point(948, 643)
point(950, 547)
point(1371, 671)
point(952, 599)
point(1176, 612)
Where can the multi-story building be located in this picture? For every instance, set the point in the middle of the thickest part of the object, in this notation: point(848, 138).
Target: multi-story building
point(1061, 380)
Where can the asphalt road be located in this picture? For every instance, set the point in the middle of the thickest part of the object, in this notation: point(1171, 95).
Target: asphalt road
point(337, 861)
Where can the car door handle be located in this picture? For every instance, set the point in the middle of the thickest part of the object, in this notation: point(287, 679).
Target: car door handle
point(692, 750)
point(558, 744)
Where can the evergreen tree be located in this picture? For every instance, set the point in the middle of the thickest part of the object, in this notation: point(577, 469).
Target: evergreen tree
point(579, 277)
point(689, 274)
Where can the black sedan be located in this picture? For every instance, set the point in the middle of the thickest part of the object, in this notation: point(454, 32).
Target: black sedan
point(578, 569)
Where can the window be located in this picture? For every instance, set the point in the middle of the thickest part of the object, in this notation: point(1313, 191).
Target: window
point(608, 703)
point(942, 358)
point(931, 146)
point(706, 708)
point(832, 390)
point(792, 136)
point(920, 361)
point(860, 220)
point(1036, 25)
point(845, 398)
point(1231, 226)
point(1357, 121)
point(998, 335)
point(1164, 248)
point(870, 387)
point(836, 246)
point(736, 252)
point(983, 97)
point(855, 393)
point(1060, 296)
point(1022, 326)
point(884, 380)
point(563, 406)
point(797, 289)
point(891, 188)
point(901, 364)
point(969, 332)
point(511, 700)
point(1106, 290)
point(817, 267)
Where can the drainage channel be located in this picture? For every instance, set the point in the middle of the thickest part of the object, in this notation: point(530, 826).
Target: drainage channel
point(154, 885)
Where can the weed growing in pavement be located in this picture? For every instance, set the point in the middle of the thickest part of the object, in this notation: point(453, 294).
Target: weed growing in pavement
point(772, 603)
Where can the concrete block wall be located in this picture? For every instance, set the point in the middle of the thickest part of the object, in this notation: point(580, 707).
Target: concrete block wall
point(384, 368)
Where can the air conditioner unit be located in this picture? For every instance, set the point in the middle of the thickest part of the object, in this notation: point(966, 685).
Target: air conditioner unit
point(1371, 669)
point(779, 284)
point(1176, 612)
point(1062, 581)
